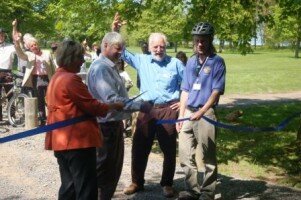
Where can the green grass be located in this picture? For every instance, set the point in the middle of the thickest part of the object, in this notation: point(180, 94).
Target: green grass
point(269, 156)
point(260, 72)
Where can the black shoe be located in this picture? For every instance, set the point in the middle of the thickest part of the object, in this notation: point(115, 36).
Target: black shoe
point(187, 195)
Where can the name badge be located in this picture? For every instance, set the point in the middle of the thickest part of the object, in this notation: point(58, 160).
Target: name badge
point(196, 86)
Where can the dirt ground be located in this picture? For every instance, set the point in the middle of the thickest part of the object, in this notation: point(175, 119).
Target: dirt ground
point(27, 171)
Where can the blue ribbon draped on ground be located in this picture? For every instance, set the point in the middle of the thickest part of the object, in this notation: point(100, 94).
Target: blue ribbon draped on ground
point(280, 126)
point(53, 126)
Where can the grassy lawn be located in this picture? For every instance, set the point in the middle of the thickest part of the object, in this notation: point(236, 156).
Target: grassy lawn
point(260, 72)
point(267, 156)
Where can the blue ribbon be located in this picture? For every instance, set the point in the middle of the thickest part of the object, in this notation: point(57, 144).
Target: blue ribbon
point(281, 125)
point(53, 126)
point(45, 128)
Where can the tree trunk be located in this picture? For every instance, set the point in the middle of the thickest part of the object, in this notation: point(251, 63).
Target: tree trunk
point(299, 132)
point(297, 47)
point(221, 46)
point(176, 47)
point(298, 39)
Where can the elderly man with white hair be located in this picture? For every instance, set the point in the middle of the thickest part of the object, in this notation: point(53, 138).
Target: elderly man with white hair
point(160, 77)
point(106, 85)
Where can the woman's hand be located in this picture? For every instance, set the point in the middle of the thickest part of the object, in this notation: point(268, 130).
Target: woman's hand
point(16, 34)
point(117, 23)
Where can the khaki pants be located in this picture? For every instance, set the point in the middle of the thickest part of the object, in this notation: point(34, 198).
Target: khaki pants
point(192, 134)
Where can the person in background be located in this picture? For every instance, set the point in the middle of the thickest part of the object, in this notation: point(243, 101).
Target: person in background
point(106, 85)
point(53, 47)
point(87, 58)
point(39, 69)
point(203, 83)
point(75, 145)
point(95, 51)
point(7, 53)
point(128, 85)
point(124, 75)
point(160, 76)
point(182, 57)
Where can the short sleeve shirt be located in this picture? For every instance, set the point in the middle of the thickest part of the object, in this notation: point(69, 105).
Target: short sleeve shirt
point(199, 81)
point(7, 52)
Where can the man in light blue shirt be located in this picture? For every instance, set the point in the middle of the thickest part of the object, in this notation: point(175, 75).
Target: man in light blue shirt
point(160, 79)
point(106, 85)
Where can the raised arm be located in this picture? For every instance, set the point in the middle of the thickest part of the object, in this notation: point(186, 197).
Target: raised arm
point(17, 36)
point(117, 23)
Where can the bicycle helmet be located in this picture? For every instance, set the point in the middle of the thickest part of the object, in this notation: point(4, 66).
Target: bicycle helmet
point(203, 28)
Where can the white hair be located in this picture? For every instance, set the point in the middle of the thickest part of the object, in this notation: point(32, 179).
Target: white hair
point(112, 38)
point(28, 39)
point(155, 36)
point(26, 36)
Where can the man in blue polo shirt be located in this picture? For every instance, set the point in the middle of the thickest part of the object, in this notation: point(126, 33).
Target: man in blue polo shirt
point(203, 83)
point(160, 79)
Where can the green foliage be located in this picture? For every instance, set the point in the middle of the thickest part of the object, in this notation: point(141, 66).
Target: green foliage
point(235, 21)
point(292, 9)
point(159, 16)
point(81, 20)
point(283, 29)
point(31, 16)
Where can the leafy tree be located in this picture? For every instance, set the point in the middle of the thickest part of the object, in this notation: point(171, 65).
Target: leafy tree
point(281, 30)
point(235, 21)
point(83, 20)
point(31, 15)
point(160, 16)
point(292, 9)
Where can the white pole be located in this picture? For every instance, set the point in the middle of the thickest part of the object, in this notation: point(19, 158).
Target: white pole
point(31, 113)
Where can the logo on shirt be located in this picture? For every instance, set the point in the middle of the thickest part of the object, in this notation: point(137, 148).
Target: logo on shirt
point(207, 69)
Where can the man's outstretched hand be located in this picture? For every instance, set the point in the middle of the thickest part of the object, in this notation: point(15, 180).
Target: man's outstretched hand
point(117, 23)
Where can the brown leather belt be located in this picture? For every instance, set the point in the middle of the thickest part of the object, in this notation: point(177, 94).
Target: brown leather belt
point(162, 105)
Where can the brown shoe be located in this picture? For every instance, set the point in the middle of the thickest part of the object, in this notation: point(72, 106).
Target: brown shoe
point(168, 191)
point(133, 188)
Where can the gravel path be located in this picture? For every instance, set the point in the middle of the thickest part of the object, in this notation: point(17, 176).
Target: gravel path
point(29, 172)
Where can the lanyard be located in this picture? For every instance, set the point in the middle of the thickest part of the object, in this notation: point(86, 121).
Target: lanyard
point(199, 73)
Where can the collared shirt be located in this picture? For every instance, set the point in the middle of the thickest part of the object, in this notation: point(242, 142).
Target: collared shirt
point(7, 52)
point(209, 77)
point(106, 85)
point(160, 80)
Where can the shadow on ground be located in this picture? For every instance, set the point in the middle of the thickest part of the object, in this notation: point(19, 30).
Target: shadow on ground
point(229, 188)
point(256, 101)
